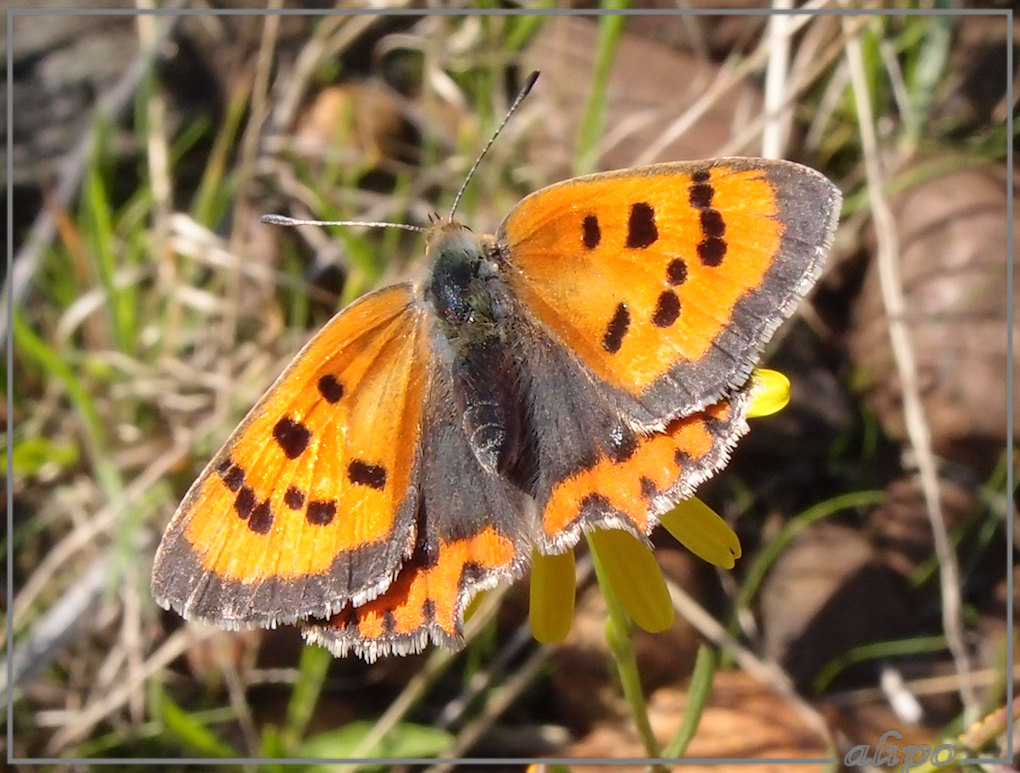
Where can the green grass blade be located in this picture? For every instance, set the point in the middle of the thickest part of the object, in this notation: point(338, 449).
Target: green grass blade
point(31, 348)
point(875, 651)
point(194, 735)
point(770, 552)
point(593, 121)
point(97, 217)
point(312, 669)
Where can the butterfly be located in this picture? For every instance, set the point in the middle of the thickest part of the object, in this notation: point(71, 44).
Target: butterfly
point(584, 368)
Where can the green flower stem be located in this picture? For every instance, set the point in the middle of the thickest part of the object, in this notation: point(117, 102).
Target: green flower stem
point(698, 692)
point(622, 648)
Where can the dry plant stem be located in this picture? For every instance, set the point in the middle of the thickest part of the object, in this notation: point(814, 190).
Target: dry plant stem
point(59, 618)
point(727, 80)
point(500, 700)
point(434, 667)
point(82, 722)
point(157, 145)
point(621, 647)
point(777, 105)
point(244, 171)
point(100, 524)
point(819, 43)
point(158, 163)
point(764, 671)
point(982, 678)
point(828, 103)
point(437, 663)
point(977, 737)
point(132, 638)
point(36, 648)
point(222, 651)
point(801, 77)
point(333, 35)
point(991, 726)
point(196, 242)
point(906, 368)
point(493, 671)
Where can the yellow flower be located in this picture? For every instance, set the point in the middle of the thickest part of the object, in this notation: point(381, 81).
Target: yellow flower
point(552, 596)
point(702, 531)
point(629, 566)
point(770, 393)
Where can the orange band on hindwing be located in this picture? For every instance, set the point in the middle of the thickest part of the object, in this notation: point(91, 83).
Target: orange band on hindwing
point(426, 600)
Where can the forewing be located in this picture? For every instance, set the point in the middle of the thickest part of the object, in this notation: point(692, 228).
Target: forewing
point(666, 281)
point(311, 503)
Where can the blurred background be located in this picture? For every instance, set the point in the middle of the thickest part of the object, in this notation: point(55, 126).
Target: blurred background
point(152, 309)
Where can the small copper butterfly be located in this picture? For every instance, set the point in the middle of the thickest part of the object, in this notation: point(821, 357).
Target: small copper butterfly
point(586, 367)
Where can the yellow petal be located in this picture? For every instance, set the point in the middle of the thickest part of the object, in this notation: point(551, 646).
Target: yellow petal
point(770, 393)
point(474, 604)
point(636, 579)
point(702, 531)
point(552, 596)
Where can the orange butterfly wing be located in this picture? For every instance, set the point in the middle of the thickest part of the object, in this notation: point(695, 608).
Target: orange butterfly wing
point(667, 280)
point(310, 504)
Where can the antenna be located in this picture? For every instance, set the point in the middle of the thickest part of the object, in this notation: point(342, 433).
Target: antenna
point(292, 221)
point(528, 83)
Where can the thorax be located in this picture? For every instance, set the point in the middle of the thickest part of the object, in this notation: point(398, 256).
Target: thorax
point(465, 284)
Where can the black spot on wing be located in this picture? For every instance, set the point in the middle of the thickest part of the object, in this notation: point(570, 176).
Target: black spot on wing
point(701, 192)
point(294, 498)
point(232, 475)
point(292, 437)
point(712, 251)
point(641, 229)
point(245, 502)
point(712, 248)
point(667, 309)
point(612, 339)
point(261, 519)
point(330, 388)
point(676, 271)
point(320, 513)
point(364, 474)
point(712, 224)
point(591, 233)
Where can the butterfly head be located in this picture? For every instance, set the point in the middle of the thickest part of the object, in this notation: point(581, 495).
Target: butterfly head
point(460, 283)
